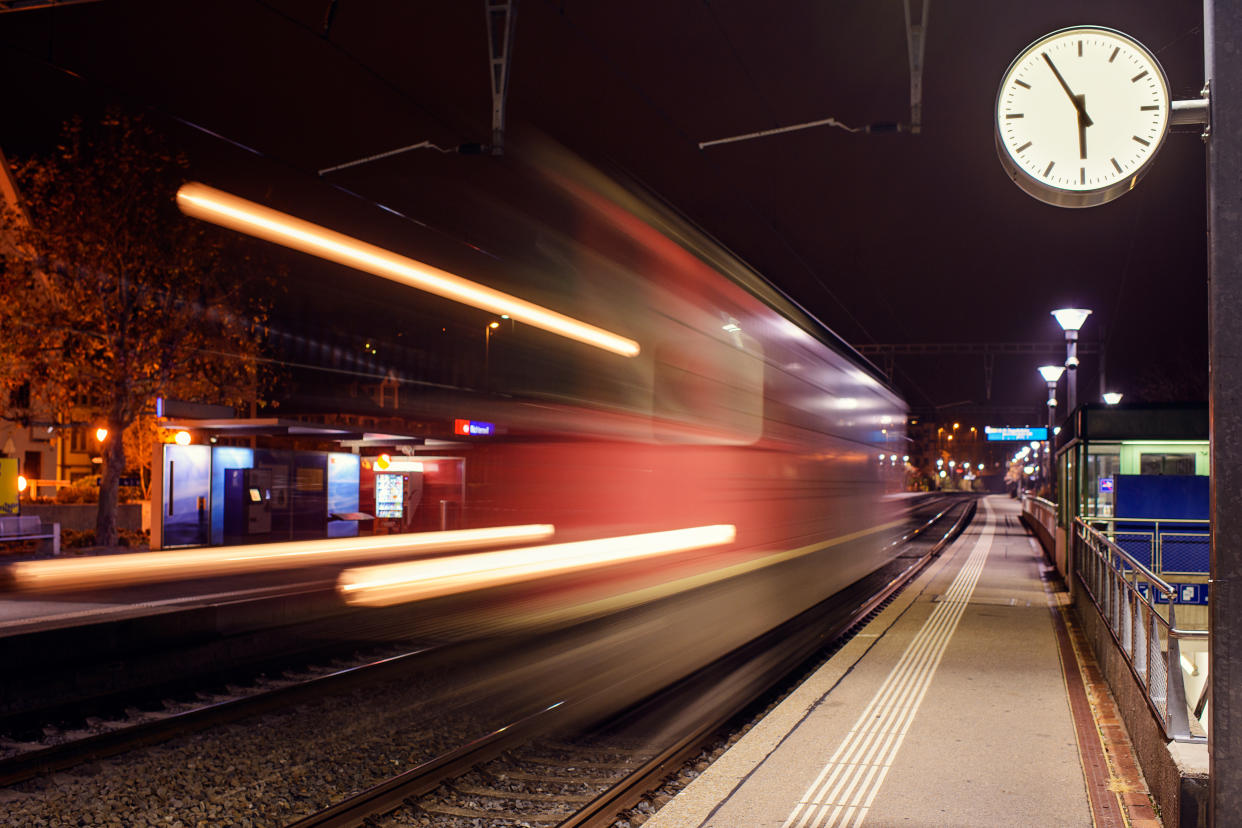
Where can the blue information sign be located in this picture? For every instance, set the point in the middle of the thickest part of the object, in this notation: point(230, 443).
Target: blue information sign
point(1106, 485)
point(1015, 433)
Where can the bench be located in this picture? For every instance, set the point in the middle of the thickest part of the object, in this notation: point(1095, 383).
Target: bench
point(29, 527)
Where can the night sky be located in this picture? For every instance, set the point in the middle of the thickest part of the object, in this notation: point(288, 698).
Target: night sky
point(887, 238)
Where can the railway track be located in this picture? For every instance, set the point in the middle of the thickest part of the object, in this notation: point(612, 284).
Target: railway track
point(27, 750)
point(514, 776)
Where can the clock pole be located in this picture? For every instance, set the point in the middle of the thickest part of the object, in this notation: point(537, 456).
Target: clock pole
point(1222, 30)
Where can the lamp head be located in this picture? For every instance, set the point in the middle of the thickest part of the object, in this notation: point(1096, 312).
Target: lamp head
point(1112, 398)
point(1051, 373)
point(1071, 319)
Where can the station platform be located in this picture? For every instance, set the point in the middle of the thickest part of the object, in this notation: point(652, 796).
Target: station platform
point(966, 702)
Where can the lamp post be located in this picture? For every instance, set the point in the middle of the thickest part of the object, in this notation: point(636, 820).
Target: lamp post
point(487, 353)
point(1051, 373)
point(1070, 320)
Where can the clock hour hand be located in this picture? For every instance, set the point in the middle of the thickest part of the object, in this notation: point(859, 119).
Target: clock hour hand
point(1079, 101)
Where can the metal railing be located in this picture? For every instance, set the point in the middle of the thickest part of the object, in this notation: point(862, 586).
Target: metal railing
point(1166, 546)
point(1124, 591)
point(1043, 511)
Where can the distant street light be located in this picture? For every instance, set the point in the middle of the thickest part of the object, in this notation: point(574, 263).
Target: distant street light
point(1112, 398)
point(487, 353)
point(1070, 320)
point(101, 434)
point(1052, 373)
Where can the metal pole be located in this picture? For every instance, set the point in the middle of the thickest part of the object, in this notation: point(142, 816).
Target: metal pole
point(1222, 25)
point(1046, 465)
point(1071, 368)
point(1103, 349)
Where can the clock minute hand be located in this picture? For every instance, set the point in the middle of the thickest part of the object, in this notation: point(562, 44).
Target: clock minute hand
point(1078, 101)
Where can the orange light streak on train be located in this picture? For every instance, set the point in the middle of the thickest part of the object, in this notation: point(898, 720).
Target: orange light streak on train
point(227, 210)
point(418, 580)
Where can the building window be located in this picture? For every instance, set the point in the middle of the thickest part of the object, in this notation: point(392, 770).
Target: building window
point(1167, 464)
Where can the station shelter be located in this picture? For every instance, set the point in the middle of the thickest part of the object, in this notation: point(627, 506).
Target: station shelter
point(244, 481)
point(1139, 473)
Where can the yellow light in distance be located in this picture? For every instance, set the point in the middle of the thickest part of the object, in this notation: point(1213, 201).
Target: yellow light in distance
point(182, 438)
point(418, 580)
point(22, 483)
point(101, 434)
point(149, 567)
point(382, 462)
point(227, 210)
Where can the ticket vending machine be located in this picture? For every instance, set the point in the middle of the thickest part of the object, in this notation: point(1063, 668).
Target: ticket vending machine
point(247, 505)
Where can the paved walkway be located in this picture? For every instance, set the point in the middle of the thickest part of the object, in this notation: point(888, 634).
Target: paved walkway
point(949, 709)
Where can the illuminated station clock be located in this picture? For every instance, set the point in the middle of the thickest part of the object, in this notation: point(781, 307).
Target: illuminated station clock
point(1080, 115)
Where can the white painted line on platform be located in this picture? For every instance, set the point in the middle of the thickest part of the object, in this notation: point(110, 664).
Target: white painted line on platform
point(843, 792)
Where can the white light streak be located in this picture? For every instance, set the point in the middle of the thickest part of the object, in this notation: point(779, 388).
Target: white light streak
point(419, 580)
point(147, 567)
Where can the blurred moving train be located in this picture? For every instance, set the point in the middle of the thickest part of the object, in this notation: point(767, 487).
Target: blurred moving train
point(642, 382)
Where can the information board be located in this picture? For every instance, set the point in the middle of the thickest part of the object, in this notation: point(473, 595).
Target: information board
point(389, 495)
point(1015, 433)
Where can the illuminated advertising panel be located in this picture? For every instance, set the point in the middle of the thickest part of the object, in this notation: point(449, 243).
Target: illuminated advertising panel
point(473, 428)
point(1015, 433)
point(389, 495)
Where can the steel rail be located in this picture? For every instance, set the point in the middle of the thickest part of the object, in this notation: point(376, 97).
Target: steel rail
point(151, 731)
point(387, 796)
point(602, 811)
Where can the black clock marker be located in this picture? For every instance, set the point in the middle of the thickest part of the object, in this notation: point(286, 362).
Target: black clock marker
point(1024, 146)
point(1014, 115)
point(1114, 54)
point(1116, 166)
point(1048, 169)
point(1151, 108)
point(1080, 48)
point(1023, 84)
point(1139, 75)
point(1141, 141)
point(1082, 175)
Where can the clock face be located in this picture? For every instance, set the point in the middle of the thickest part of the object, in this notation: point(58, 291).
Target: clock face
point(1079, 116)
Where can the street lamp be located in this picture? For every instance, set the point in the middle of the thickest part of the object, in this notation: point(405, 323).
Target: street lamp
point(487, 353)
point(1070, 320)
point(1051, 373)
point(1111, 397)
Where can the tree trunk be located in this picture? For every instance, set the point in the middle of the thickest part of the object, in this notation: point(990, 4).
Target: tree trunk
point(110, 485)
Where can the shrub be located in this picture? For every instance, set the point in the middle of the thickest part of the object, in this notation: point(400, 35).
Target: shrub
point(76, 538)
point(134, 537)
point(84, 490)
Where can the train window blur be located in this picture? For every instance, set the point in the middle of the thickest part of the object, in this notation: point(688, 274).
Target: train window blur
point(711, 384)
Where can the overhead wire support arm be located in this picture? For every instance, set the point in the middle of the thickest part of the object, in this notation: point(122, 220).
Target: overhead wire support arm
point(763, 133)
point(378, 156)
point(501, 19)
point(916, 34)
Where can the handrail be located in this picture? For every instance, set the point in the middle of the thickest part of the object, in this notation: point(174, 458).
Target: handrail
point(1159, 531)
point(1110, 576)
point(1044, 501)
point(1155, 579)
point(1112, 519)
